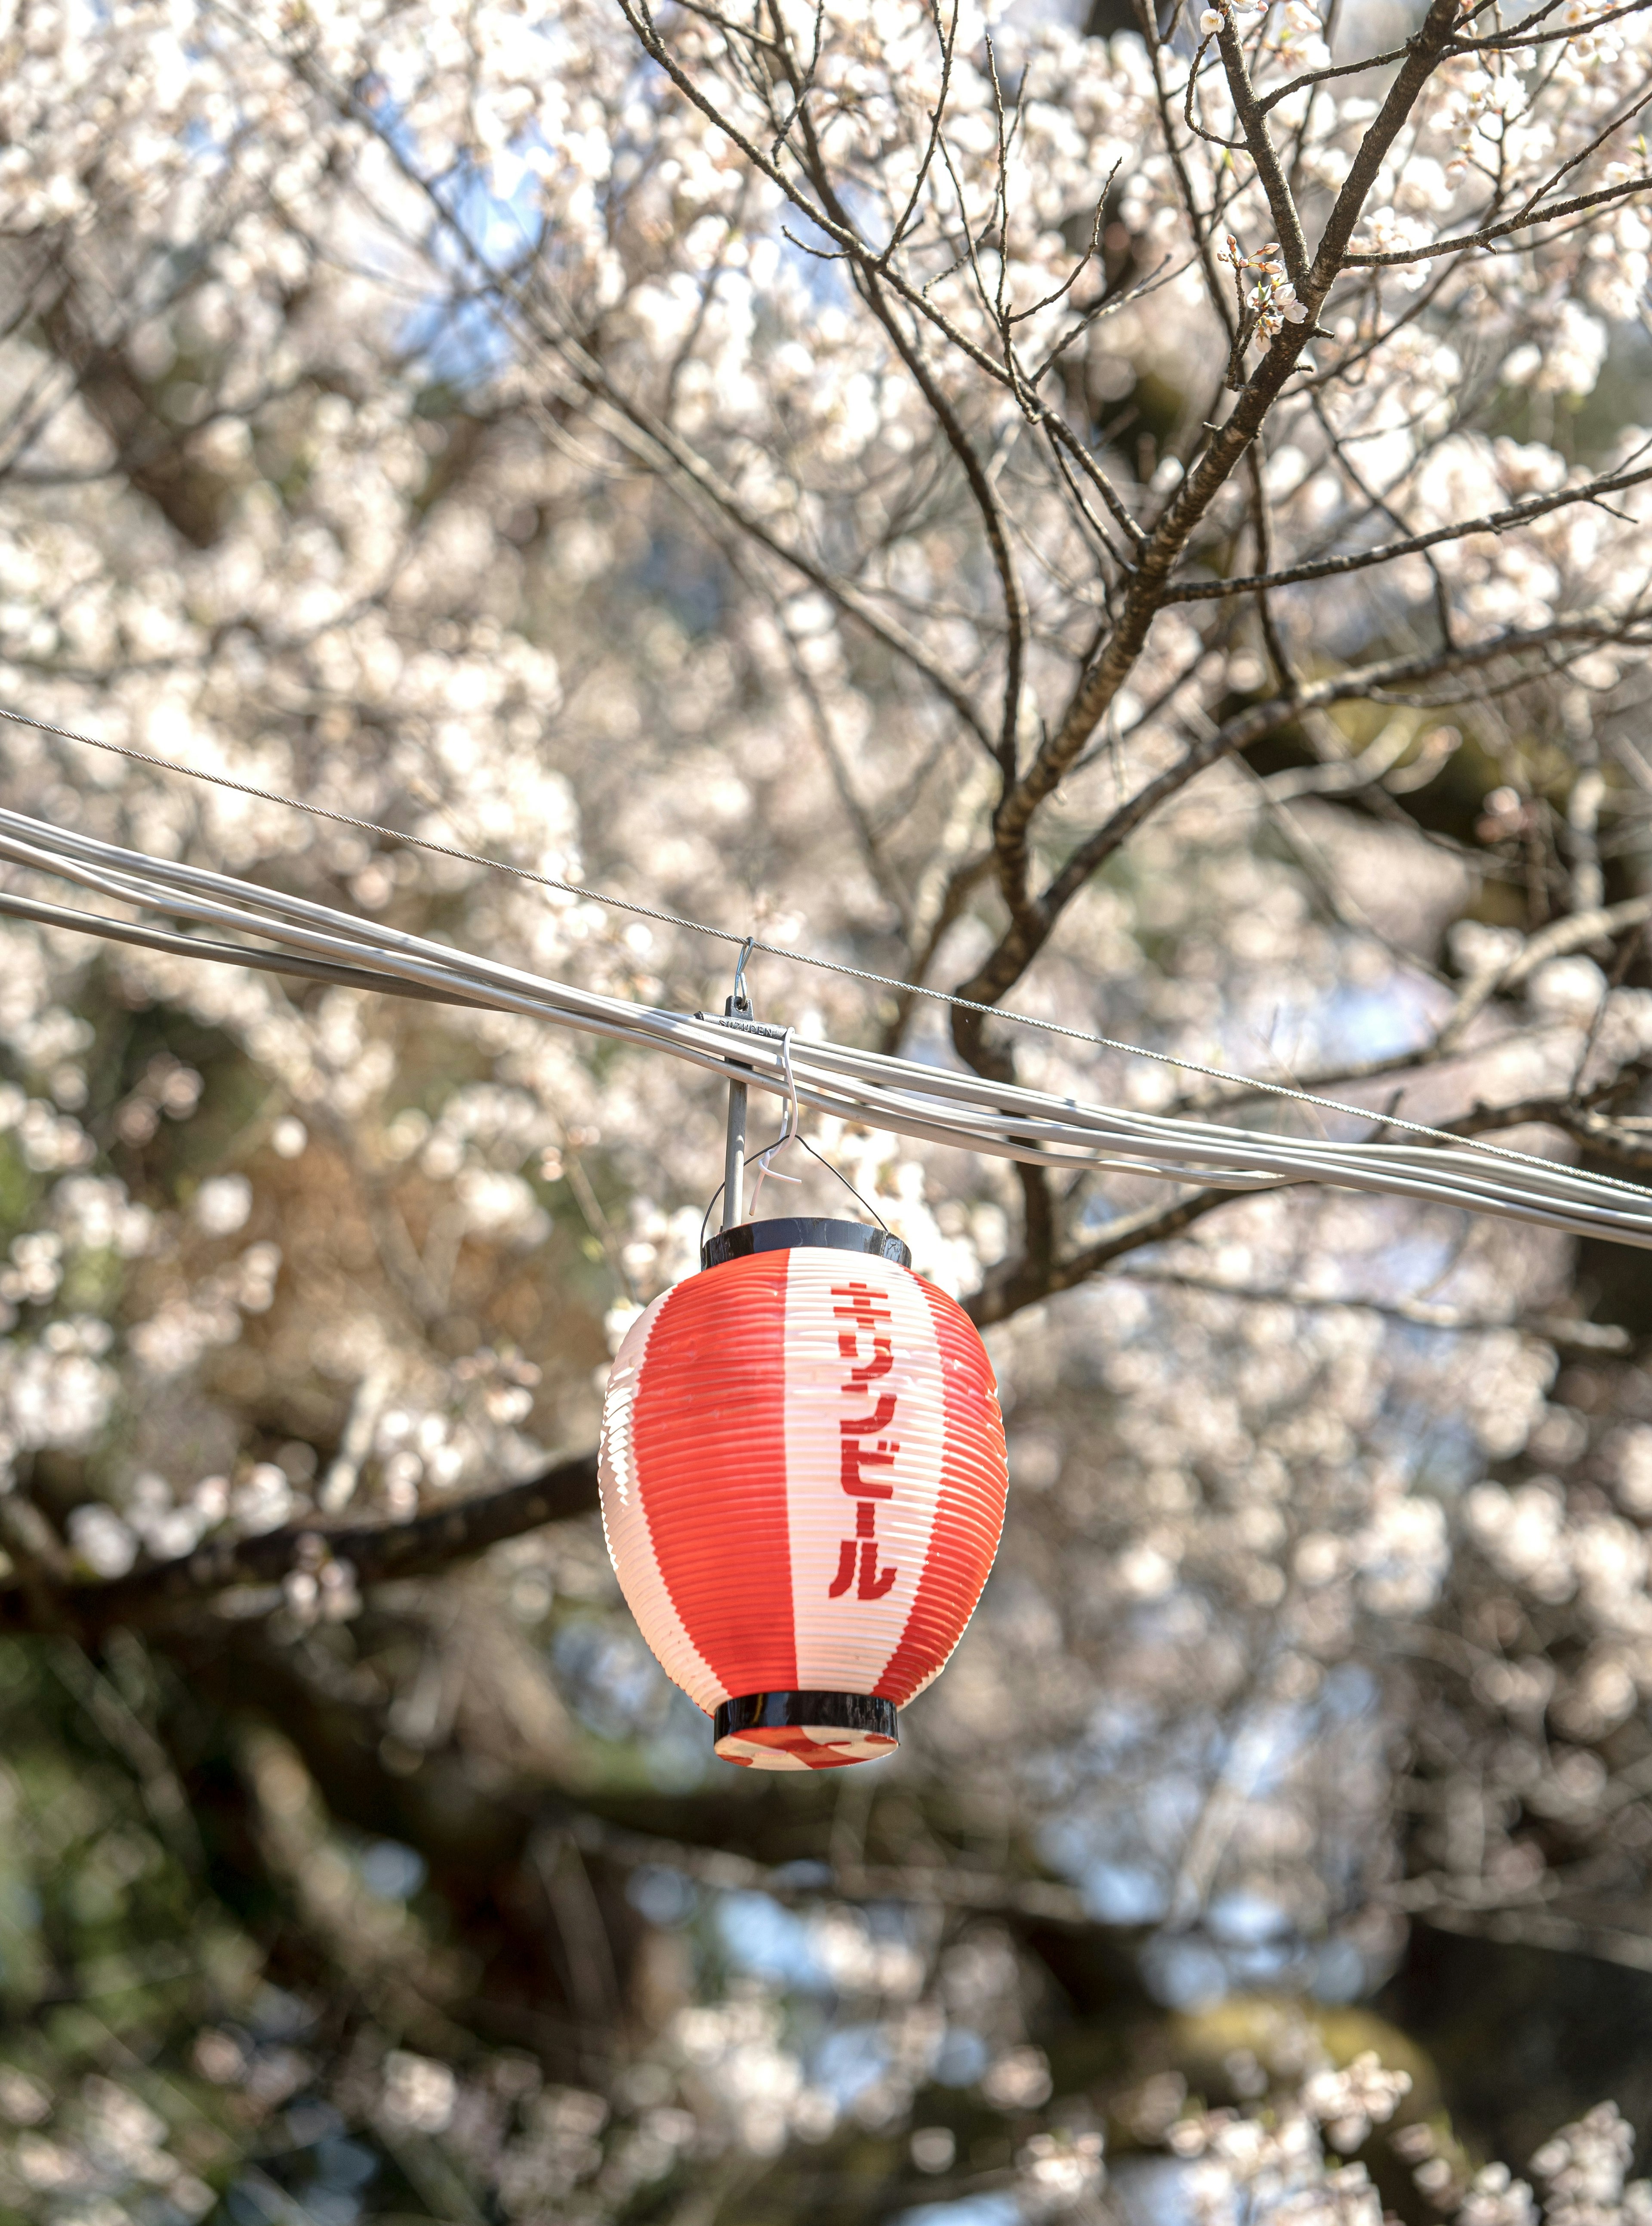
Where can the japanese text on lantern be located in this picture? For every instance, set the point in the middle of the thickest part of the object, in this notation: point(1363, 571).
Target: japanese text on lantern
point(868, 1313)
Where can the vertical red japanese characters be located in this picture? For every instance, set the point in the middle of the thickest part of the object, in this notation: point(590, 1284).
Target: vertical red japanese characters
point(859, 1305)
point(803, 1474)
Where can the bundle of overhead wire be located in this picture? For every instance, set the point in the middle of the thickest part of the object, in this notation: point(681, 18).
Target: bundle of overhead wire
point(941, 1105)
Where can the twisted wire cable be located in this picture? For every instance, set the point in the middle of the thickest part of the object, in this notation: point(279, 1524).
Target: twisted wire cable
point(791, 955)
point(931, 1103)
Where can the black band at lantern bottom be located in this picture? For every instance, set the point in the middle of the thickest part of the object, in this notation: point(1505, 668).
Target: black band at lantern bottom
point(846, 1712)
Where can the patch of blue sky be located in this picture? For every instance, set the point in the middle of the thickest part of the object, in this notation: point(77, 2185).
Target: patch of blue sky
point(1099, 1845)
point(615, 1685)
point(1244, 1918)
point(204, 145)
point(1339, 1973)
point(767, 1941)
point(1153, 2191)
point(493, 223)
point(1271, 1965)
point(810, 253)
point(809, 256)
point(1168, 1809)
point(1273, 1036)
point(671, 571)
point(664, 1896)
point(805, 1873)
point(1183, 1972)
point(392, 1872)
point(1415, 1263)
point(1069, 1842)
point(1176, 1619)
point(992, 2210)
point(1072, 1841)
point(1117, 1727)
point(1252, 1759)
point(1267, 1746)
point(1193, 1743)
point(961, 2059)
point(850, 2060)
point(1356, 1021)
point(498, 205)
point(461, 333)
point(1373, 1020)
point(1348, 1691)
point(496, 211)
point(928, 1041)
point(1125, 1893)
point(1442, 1453)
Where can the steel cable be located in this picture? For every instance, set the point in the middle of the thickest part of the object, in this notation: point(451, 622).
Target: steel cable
point(933, 1103)
point(1006, 1014)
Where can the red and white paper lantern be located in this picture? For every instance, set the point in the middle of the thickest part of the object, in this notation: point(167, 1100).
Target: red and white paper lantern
point(803, 1476)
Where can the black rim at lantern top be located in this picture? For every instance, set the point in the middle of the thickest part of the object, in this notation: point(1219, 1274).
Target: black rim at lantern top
point(788, 1233)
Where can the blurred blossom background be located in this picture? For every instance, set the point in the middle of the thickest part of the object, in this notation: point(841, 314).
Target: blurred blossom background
point(663, 457)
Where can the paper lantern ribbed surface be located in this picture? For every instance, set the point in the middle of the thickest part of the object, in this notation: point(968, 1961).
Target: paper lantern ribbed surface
point(803, 1476)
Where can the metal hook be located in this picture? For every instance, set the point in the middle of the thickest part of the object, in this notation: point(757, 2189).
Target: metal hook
point(739, 1007)
point(740, 1002)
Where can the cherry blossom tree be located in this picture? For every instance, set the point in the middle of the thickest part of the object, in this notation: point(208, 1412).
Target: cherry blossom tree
point(1142, 524)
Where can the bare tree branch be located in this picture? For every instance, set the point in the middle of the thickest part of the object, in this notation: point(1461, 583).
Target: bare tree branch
point(1571, 1332)
point(1327, 567)
point(1157, 558)
point(1519, 221)
point(1260, 141)
point(1023, 1282)
point(378, 1554)
point(1016, 950)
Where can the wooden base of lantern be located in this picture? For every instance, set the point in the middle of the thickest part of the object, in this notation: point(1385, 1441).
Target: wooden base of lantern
point(805, 1730)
